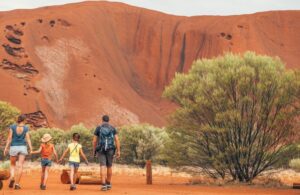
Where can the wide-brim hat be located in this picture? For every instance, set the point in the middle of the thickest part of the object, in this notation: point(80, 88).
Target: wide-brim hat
point(46, 137)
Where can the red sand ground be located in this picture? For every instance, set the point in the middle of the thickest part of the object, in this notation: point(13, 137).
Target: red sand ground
point(136, 186)
point(102, 57)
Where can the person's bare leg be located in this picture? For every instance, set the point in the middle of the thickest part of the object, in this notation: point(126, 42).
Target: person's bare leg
point(109, 174)
point(72, 175)
point(102, 175)
point(46, 173)
point(43, 175)
point(75, 175)
point(13, 160)
point(20, 168)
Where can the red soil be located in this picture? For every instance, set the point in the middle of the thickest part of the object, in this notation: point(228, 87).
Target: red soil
point(101, 57)
point(136, 185)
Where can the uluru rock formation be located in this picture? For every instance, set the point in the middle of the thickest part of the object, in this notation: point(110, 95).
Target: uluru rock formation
point(68, 64)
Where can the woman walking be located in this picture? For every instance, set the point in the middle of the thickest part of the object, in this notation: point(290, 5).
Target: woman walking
point(17, 141)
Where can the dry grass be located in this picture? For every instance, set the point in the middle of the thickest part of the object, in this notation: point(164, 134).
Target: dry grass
point(118, 169)
point(276, 178)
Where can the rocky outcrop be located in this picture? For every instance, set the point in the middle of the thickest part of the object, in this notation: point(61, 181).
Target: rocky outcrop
point(27, 68)
point(117, 59)
point(23, 71)
point(37, 120)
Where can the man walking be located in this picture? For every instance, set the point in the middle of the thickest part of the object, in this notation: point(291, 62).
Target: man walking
point(106, 143)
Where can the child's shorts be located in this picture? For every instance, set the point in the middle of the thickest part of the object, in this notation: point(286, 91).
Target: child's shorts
point(45, 162)
point(74, 164)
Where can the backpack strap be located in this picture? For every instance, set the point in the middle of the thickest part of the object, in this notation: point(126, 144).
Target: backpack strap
point(74, 149)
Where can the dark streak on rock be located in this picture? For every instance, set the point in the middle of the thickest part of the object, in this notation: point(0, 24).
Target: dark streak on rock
point(171, 50)
point(182, 54)
point(160, 55)
point(136, 32)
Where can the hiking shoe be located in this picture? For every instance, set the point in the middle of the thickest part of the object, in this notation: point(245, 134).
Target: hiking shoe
point(72, 187)
point(43, 187)
point(108, 186)
point(17, 187)
point(11, 183)
point(104, 188)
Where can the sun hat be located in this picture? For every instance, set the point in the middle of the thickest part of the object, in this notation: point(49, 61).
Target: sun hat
point(46, 137)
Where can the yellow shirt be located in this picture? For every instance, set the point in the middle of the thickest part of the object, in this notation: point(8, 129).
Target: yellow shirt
point(74, 149)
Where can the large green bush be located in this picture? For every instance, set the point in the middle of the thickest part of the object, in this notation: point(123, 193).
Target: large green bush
point(142, 142)
point(236, 115)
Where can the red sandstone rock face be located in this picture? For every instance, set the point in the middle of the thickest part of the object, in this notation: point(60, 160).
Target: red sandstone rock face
point(72, 63)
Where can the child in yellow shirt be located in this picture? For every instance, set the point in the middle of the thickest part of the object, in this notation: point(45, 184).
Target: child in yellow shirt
point(75, 150)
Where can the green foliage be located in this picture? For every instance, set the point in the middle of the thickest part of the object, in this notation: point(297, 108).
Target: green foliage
point(142, 142)
point(58, 136)
point(295, 164)
point(8, 116)
point(5, 165)
point(288, 153)
point(60, 148)
point(236, 116)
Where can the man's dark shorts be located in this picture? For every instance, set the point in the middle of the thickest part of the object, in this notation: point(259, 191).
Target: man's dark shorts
point(106, 157)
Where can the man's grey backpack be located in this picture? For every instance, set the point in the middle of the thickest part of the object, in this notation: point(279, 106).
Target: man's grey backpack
point(106, 140)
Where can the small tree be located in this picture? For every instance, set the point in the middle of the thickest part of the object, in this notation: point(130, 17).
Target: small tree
point(140, 143)
point(8, 116)
point(236, 114)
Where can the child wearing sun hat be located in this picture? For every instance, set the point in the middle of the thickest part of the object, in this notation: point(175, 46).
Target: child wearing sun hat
point(47, 150)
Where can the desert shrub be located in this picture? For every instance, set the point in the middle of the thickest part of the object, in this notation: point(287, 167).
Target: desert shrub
point(295, 164)
point(60, 148)
point(236, 115)
point(58, 136)
point(140, 143)
point(8, 116)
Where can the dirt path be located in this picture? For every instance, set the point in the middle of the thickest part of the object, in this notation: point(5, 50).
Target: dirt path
point(131, 185)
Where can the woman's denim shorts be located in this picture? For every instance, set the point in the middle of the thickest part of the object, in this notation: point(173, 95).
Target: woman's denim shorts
point(18, 150)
